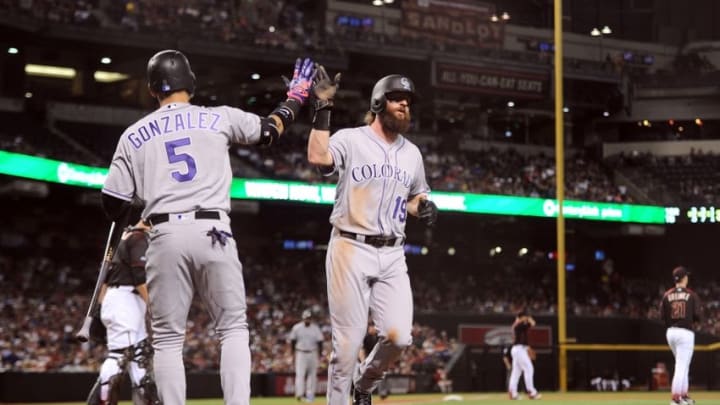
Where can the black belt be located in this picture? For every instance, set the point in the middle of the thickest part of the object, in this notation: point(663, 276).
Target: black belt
point(305, 351)
point(373, 240)
point(160, 218)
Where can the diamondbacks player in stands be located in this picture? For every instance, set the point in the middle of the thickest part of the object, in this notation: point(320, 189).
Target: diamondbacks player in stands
point(680, 308)
point(521, 362)
point(381, 182)
point(306, 339)
point(124, 299)
point(175, 160)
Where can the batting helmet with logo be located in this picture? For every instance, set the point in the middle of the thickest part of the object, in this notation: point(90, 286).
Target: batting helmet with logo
point(390, 84)
point(169, 71)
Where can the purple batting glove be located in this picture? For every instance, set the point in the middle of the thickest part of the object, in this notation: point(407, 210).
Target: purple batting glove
point(299, 86)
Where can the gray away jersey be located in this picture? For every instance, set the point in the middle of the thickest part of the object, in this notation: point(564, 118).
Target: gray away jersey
point(306, 337)
point(376, 179)
point(176, 158)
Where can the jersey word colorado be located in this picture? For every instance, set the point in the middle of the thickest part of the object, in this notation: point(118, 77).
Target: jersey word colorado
point(376, 179)
point(176, 158)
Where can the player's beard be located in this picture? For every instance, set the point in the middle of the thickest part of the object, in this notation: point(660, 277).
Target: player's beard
point(393, 124)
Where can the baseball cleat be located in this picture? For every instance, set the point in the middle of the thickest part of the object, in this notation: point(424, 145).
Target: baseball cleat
point(536, 395)
point(688, 400)
point(362, 398)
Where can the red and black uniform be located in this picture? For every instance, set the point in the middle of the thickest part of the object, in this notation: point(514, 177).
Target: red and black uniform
point(128, 263)
point(680, 308)
point(520, 330)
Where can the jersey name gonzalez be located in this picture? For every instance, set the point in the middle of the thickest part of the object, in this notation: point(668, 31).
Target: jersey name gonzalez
point(372, 171)
point(168, 124)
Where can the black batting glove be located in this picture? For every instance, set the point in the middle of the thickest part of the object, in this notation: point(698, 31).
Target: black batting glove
point(427, 212)
point(324, 88)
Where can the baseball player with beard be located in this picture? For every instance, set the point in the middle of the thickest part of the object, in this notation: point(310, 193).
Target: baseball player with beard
point(175, 161)
point(680, 308)
point(381, 182)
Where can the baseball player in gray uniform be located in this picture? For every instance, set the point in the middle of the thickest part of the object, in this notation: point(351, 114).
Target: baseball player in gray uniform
point(306, 339)
point(175, 160)
point(381, 182)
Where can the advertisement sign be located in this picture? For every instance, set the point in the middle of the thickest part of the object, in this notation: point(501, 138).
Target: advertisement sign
point(499, 335)
point(451, 22)
point(478, 79)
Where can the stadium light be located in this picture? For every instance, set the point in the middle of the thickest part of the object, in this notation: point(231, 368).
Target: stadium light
point(105, 60)
point(606, 30)
point(511, 104)
point(13, 51)
point(28, 94)
point(595, 32)
point(101, 76)
point(606, 114)
point(377, 2)
point(494, 18)
point(505, 16)
point(255, 76)
point(56, 72)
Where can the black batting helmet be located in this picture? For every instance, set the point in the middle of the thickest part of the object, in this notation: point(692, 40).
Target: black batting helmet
point(169, 71)
point(390, 84)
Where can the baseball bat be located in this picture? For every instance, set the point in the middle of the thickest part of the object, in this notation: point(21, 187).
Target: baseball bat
point(83, 335)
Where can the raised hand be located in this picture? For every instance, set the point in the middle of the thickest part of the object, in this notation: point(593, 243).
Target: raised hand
point(303, 75)
point(324, 88)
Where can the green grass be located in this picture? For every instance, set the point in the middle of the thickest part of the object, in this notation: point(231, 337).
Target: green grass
point(495, 398)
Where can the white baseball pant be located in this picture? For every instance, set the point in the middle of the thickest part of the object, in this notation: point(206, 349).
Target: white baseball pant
point(682, 343)
point(521, 364)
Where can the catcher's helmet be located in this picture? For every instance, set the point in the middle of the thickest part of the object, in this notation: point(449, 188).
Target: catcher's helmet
point(169, 71)
point(390, 84)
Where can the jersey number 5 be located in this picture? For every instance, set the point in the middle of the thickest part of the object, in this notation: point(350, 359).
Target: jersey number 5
point(174, 157)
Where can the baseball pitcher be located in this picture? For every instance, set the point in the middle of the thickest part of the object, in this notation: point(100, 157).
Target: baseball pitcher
point(680, 308)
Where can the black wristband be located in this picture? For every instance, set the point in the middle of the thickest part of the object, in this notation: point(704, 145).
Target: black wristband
point(321, 120)
point(287, 111)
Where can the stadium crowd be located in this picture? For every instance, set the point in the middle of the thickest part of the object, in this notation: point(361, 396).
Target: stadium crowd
point(489, 171)
point(688, 179)
point(253, 23)
point(44, 296)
